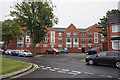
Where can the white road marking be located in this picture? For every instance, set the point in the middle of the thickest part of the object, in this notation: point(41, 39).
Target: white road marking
point(109, 76)
point(48, 67)
point(44, 68)
point(52, 70)
point(56, 68)
point(65, 70)
point(61, 71)
point(72, 73)
point(90, 73)
point(78, 72)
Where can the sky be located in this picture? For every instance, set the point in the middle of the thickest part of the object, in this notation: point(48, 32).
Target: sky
point(81, 13)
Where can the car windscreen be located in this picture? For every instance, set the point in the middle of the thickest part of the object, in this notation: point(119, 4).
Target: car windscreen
point(26, 51)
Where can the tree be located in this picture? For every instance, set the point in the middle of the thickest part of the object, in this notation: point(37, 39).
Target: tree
point(37, 17)
point(103, 21)
point(10, 31)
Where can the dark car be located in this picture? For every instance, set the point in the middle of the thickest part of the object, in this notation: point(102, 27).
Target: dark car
point(63, 50)
point(14, 53)
point(92, 51)
point(106, 58)
point(52, 51)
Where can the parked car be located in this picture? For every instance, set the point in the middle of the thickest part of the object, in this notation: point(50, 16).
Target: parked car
point(63, 50)
point(106, 58)
point(8, 51)
point(52, 51)
point(25, 53)
point(2, 51)
point(92, 51)
point(14, 52)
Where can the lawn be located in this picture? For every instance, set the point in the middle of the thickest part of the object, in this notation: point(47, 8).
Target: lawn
point(9, 66)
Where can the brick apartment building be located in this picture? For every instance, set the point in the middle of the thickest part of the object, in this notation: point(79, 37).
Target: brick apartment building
point(113, 30)
point(75, 39)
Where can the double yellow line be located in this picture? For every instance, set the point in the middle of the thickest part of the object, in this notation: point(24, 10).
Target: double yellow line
point(25, 73)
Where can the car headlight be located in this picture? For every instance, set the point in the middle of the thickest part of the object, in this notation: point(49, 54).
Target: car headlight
point(87, 57)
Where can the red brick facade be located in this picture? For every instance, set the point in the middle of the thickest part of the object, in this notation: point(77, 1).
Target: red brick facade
point(113, 36)
point(75, 39)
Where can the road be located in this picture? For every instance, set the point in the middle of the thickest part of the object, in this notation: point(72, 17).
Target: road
point(66, 66)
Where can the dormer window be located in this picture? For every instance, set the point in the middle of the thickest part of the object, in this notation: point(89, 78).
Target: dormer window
point(115, 28)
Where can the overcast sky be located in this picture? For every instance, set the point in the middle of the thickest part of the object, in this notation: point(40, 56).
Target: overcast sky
point(82, 13)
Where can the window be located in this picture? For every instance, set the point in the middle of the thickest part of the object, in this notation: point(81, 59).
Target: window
point(45, 40)
point(90, 40)
point(20, 39)
point(90, 45)
point(95, 37)
point(68, 34)
point(102, 40)
point(83, 45)
point(60, 34)
point(52, 36)
point(19, 45)
point(68, 39)
point(45, 45)
point(83, 34)
point(28, 33)
point(75, 40)
point(115, 28)
point(46, 35)
point(68, 45)
point(74, 35)
point(102, 36)
point(59, 45)
point(83, 40)
point(112, 54)
point(75, 45)
point(116, 44)
point(60, 40)
point(96, 45)
point(27, 39)
point(102, 54)
point(90, 34)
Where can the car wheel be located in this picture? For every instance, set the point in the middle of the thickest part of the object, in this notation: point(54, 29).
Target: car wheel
point(24, 55)
point(54, 52)
point(118, 64)
point(91, 62)
point(46, 52)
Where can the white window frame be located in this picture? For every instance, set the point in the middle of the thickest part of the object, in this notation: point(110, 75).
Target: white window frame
point(59, 45)
point(115, 28)
point(95, 37)
point(52, 36)
point(45, 45)
point(89, 45)
point(67, 45)
point(59, 34)
point(117, 45)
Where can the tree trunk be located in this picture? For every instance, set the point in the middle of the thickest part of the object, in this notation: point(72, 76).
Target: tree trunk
point(34, 52)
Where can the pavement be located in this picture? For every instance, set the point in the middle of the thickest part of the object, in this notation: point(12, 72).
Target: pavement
point(71, 65)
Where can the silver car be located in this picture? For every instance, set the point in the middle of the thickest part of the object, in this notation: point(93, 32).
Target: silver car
point(25, 53)
point(8, 51)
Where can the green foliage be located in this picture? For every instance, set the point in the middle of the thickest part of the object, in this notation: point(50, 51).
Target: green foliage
point(10, 31)
point(36, 16)
point(103, 21)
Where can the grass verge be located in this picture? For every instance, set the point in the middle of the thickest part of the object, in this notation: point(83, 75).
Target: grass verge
point(9, 66)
